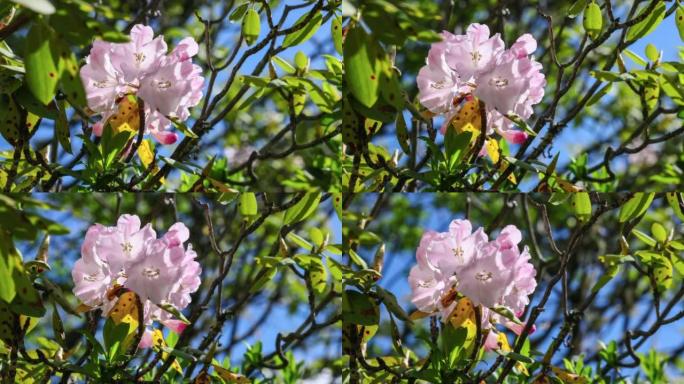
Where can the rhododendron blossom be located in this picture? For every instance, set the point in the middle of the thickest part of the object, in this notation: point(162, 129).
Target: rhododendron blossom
point(508, 81)
point(494, 274)
point(160, 270)
point(168, 83)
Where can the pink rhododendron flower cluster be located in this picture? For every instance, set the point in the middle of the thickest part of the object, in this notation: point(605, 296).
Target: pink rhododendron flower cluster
point(492, 274)
point(159, 270)
point(475, 64)
point(169, 84)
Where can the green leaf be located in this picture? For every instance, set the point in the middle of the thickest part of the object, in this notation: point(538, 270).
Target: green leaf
point(251, 26)
point(7, 264)
point(636, 206)
point(305, 33)
point(611, 272)
point(599, 94)
point(652, 52)
point(679, 20)
point(301, 61)
point(402, 133)
point(360, 57)
point(677, 203)
point(576, 8)
point(519, 357)
point(10, 119)
point(62, 128)
point(8, 322)
point(42, 73)
point(183, 128)
point(317, 273)
point(359, 309)
point(69, 78)
point(173, 311)
point(635, 58)
point(455, 144)
point(659, 232)
point(27, 301)
point(302, 209)
point(247, 204)
point(40, 6)
point(337, 204)
point(392, 304)
point(267, 276)
point(336, 31)
point(593, 20)
point(316, 236)
point(646, 239)
point(238, 12)
point(647, 25)
point(390, 87)
point(300, 241)
point(662, 271)
point(284, 64)
point(581, 204)
point(114, 335)
point(358, 260)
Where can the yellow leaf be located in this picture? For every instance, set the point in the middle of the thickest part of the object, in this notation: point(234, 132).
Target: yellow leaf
point(221, 186)
point(502, 168)
point(568, 186)
point(522, 368)
point(463, 313)
point(132, 331)
point(468, 114)
point(541, 379)
point(127, 118)
point(492, 147)
point(464, 316)
point(158, 343)
point(82, 308)
point(567, 377)
point(502, 340)
point(202, 378)
point(126, 305)
point(31, 121)
point(231, 377)
point(146, 152)
point(418, 315)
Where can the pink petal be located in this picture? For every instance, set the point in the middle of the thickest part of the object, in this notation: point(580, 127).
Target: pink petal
point(146, 340)
point(176, 326)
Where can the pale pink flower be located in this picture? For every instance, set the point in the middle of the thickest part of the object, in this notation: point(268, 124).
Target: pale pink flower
point(507, 81)
point(474, 54)
point(153, 276)
point(141, 56)
point(160, 270)
point(493, 274)
point(168, 83)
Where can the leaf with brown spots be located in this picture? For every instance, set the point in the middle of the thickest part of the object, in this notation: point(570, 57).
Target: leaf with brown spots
point(159, 344)
point(127, 118)
point(9, 323)
point(70, 79)
point(567, 377)
point(202, 378)
point(9, 119)
point(468, 114)
point(230, 377)
point(40, 61)
point(127, 304)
